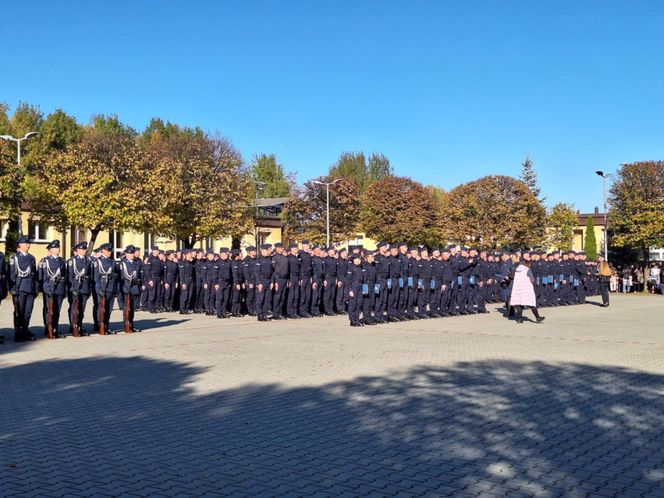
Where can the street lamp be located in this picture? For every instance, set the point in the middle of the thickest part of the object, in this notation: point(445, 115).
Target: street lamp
point(258, 187)
point(18, 160)
point(606, 220)
point(327, 191)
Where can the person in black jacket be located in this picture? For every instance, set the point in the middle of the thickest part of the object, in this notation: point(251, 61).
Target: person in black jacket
point(249, 278)
point(186, 280)
point(106, 285)
point(170, 280)
point(370, 290)
point(130, 287)
point(222, 283)
point(317, 263)
point(294, 281)
point(23, 286)
point(237, 279)
point(355, 280)
point(53, 284)
point(263, 270)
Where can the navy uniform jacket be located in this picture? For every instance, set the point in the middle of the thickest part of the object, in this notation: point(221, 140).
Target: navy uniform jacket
point(79, 272)
point(317, 267)
point(200, 269)
point(106, 276)
point(186, 272)
point(355, 277)
point(447, 272)
point(382, 266)
point(23, 273)
point(294, 270)
point(224, 271)
point(170, 272)
point(130, 272)
point(53, 275)
point(280, 263)
point(306, 268)
point(370, 272)
point(237, 273)
point(414, 268)
point(155, 269)
point(394, 267)
point(248, 269)
point(263, 270)
point(329, 268)
point(426, 269)
point(342, 268)
point(404, 265)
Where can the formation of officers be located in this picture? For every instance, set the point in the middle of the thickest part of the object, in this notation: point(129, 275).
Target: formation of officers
point(393, 283)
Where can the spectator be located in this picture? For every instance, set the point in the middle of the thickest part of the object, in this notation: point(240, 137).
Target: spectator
point(614, 281)
point(604, 272)
point(523, 292)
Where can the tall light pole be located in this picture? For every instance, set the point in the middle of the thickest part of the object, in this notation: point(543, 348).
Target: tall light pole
point(327, 192)
point(18, 160)
point(606, 219)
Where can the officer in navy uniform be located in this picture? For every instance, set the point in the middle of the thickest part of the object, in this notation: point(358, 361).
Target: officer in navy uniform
point(317, 264)
point(130, 288)
point(294, 280)
point(23, 286)
point(342, 267)
point(170, 280)
point(306, 270)
point(222, 283)
point(248, 274)
point(280, 277)
point(370, 291)
point(382, 264)
point(263, 270)
point(53, 283)
point(329, 281)
point(238, 283)
point(353, 285)
point(106, 285)
point(393, 287)
point(3, 285)
point(186, 278)
point(154, 275)
point(200, 270)
point(79, 274)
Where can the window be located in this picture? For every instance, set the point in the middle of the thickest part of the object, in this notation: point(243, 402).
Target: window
point(38, 231)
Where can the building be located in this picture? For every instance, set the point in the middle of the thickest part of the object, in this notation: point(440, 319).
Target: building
point(579, 240)
point(268, 229)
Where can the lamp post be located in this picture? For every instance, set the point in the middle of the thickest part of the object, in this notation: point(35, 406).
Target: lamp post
point(606, 219)
point(18, 160)
point(258, 187)
point(327, 192)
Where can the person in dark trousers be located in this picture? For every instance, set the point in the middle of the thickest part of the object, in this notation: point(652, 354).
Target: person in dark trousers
point(23, 287)
point(53, 283)
point(130, 287)
point(354, 281)
point(604, 273)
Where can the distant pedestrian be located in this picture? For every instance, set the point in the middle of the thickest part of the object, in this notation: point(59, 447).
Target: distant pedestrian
point(604, 272)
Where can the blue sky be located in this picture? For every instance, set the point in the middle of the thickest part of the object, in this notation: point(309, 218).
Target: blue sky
point(448, 90)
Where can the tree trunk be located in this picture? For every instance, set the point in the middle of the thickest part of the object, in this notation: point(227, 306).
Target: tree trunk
point(94, 232)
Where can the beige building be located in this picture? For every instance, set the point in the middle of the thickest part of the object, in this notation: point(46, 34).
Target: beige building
point(579, 241)
point(268, 229)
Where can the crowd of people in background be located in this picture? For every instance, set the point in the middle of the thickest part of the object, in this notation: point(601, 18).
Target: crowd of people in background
point(394, 283)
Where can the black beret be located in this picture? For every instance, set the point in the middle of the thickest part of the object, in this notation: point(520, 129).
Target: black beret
point(413, 248)
point(155, 248)
point(278, 245)
point(23, 239)
point(223, 250)
point(210, 250)
point(305, 241)
point(265, 247)
point(81, 245)
point(293, 246)
point(355, 255)
point(251, 248)
point(403, 244)
point(169, 252)
point(105, 247)
point(54, 244)
point(130, 249)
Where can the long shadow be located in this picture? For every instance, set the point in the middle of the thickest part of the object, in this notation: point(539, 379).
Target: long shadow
point(136, 425)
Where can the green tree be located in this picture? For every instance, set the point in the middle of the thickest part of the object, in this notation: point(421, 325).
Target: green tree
point(305, 215)
point(495, 211)
point(379, 167)
point(529, 177)
point(637, 207)
point(266, 170)
point(398, 209)
point(352, 165)
point(590, 242)
point(560, 223)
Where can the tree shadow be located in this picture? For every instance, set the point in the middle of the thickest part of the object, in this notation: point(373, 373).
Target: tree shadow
point(486, 428)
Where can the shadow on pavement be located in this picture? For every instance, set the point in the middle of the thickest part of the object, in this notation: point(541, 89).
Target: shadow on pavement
point(483, 428)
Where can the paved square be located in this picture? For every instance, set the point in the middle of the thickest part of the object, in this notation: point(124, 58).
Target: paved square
point(467, 406)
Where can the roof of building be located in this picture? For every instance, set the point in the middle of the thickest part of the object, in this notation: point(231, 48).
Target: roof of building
point(271, 202)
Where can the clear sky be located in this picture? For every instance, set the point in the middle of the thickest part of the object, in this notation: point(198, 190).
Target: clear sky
point(448, 90)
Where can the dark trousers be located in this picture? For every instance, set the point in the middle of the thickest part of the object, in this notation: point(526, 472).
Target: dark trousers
point(354, 303)
point(316, 296)
point(185, 296)
point(95, 310)
point(604, 290)
point(403, 297)
point(393, 299)
point(23, 304)
point(481, 297)
point(129, 306)
point(329, 291)
point(424, 297)
point(104, 310)
point(462, 295)
point(77, 310)
point(381, 298)
point(278, 296)
point(250, 298)
point(413, 294)
point(369, 302)
point(199, 300)
point(221, 297)
point(305, 295)
point(293, 296)
point(209, 297)
point(153, 294)
point(263, 298)
point(341, 296)
point(52, 306)
point(169, 295)
point(236, 299)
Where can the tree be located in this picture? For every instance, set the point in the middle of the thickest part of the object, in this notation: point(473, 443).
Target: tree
point(94, 184)
point(353, 165)
point(560, 224)
point(495, 211)
point(304, 213)
point(266, 170)
point(590, 243)
point(399, 209)
point(197, 187)
point(529, 177)
point(637, 207)
point(58, 131)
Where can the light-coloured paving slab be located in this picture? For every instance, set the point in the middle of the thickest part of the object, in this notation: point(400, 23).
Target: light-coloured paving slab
point(465, 406)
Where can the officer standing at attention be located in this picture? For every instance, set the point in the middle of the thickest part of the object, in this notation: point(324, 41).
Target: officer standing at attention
point(294, 280)
point(249, 276)
point(23, 286)
point(223, 283)
point(342, 267)
point(130, 272)
point(263, 277)
point(237, 277)
point(3, 285)
point(382, 263)
point(317, 265)
point(186, 281)
point(53, 283)
point(155, 272)
point(280, 277)
point(306, 270)
point(355, 279)
point(329, 281)
point(370, 290)
point(79, 275)
point(170, 280)
point(106, 286)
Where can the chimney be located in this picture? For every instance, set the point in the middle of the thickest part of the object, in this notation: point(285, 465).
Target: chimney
point(596, 210)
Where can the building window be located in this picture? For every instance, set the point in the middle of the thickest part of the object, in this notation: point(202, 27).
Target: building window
point(38, 231)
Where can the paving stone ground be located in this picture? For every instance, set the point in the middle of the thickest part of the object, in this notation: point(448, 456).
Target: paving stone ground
point(467, 406)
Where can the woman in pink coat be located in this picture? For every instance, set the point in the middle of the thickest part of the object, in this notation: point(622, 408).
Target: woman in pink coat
point(523, 292)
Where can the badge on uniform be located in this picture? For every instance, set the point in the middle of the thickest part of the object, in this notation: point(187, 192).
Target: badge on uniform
point(410, 281)
point(389, 283)
point(432, 284)
point(473, 279)
point(420, 283)
point(400, 282)
point(459, 280)
point(376, 288)
point(365, 289)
